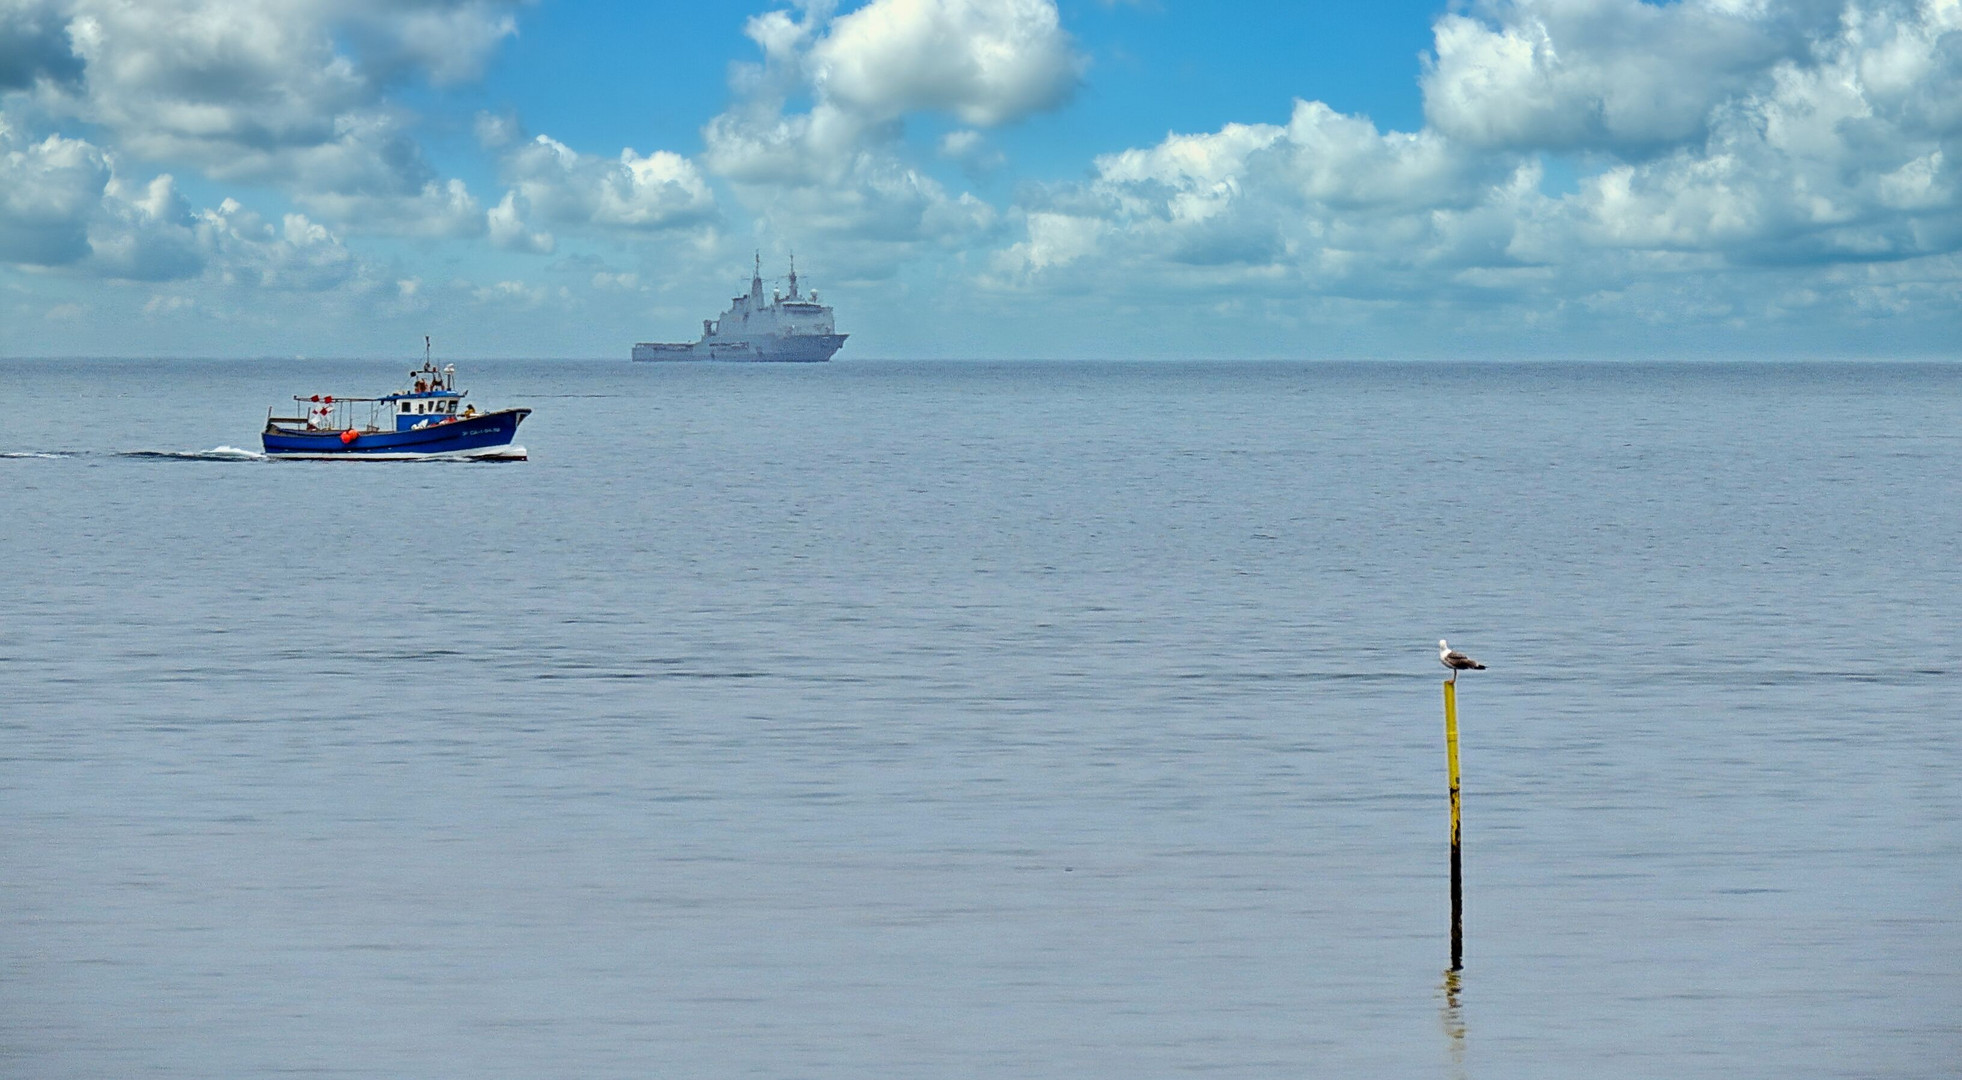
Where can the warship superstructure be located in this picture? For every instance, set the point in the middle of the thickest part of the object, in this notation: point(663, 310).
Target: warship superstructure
point(781, 329)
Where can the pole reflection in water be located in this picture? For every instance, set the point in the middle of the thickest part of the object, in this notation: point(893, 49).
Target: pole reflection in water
point(1452, 1016)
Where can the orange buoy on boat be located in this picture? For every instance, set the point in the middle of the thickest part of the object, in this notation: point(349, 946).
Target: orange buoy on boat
point(349, 435)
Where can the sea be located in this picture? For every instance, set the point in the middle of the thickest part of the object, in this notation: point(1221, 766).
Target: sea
point(901, 720)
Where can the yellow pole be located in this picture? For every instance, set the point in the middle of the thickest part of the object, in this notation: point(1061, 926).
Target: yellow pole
point(1457, 865)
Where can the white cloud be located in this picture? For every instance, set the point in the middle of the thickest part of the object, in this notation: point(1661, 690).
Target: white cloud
point(288, 93)
point(755, 143)
point(661, 190)
point(840, 169)
point(971, 149)
point(1326, 201)
point(34, 45)
point(442, 208)
point(961, 143)
point(49, 192)
point(1620, 74)
point(509, 232)
point(63, 203)
point(1818, 162)
point(1714, 136)
point(496, 131)
point(620, 282)
point(1056, 240)
point(507, 293)
point(989, 62)
point(296, 255)
point(146, 234)
point(657, 191)
point(451, 40)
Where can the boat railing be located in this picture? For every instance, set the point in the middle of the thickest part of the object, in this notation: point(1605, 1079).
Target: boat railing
point(322, 412)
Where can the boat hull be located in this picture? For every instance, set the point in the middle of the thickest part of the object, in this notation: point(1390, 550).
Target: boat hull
point(783, 349)
point(487, 436)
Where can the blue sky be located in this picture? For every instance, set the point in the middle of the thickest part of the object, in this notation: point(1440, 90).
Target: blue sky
point(985, 178)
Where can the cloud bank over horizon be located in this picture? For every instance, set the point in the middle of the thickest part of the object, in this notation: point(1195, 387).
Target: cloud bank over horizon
point(1591, 177)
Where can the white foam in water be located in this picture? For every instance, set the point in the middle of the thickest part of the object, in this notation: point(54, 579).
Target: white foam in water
point(31, 454)
point(216, 453)
point(501, 453)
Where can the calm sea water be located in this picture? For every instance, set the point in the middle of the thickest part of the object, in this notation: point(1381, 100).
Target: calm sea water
point(888, 720)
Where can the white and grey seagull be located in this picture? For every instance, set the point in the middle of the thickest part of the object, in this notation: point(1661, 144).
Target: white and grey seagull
point(1456, 660)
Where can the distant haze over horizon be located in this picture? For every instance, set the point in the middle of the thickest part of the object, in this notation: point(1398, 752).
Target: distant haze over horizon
point(1099, 180)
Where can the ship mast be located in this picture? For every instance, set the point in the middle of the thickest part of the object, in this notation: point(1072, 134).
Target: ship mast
point(793, 275)
point(756, 280)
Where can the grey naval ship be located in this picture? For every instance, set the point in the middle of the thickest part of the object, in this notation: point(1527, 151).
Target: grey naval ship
point(782, 329)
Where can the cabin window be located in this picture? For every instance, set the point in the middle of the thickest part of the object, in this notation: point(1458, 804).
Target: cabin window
point(452, 406)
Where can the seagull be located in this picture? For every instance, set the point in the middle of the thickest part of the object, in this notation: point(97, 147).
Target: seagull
point(1456, 660)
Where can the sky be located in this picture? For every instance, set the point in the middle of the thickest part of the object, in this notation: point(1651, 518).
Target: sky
point(1493, 179)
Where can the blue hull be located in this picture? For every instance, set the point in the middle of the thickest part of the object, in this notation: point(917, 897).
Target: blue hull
point(478, 433)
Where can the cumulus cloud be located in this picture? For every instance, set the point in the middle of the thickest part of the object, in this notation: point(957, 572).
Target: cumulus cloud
point(496, 131)
point(440, 208)
point(1708, 135)
point(146, 233)
point(49, 192)
point(229, 88)
point(1326, 200)
point(661, 190)
point(295, 255)
point(509, 232)
point(988, 62)
point(63, 204)
point(970, 148)
point(815, 173)
point(287, 93)
point(1616, 74)
point(1839, 154)
point(34, 45)
point(451, 40)
point(840, 167)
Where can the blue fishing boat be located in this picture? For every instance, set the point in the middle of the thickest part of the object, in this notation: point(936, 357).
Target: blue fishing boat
point(428, 419)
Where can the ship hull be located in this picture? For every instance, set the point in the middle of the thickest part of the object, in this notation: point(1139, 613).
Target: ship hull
point(488, 435)
point(788, 349)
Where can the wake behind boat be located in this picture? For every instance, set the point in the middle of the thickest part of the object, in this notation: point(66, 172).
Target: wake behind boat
point(427, 420)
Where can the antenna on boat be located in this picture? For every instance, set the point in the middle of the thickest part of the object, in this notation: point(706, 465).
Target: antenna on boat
point(793, 275)
point(425, 350)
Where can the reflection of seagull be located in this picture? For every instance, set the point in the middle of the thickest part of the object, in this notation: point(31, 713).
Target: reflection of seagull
point(1456, 660)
